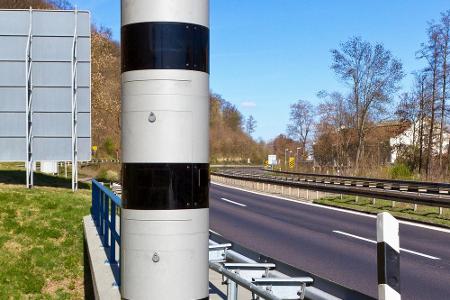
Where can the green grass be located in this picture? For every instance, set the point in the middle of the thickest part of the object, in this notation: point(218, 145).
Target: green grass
point(425, 214)
point(41, 238)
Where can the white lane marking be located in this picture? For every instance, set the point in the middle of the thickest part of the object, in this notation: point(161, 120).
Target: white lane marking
point(431, 227)
point(374, 242)
point(232, 202)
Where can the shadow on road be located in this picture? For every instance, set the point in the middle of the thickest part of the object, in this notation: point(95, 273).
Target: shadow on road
point(19, 177)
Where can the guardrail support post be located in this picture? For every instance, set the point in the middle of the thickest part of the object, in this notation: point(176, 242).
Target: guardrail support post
point(232, 290)
point(388, 257)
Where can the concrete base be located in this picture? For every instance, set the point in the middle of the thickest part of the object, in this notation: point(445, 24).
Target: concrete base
point(104, 275)
point(103, 280)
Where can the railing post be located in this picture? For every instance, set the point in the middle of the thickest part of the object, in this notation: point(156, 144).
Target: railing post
point(100, 211)
point(107, 223)
point(94, 202)
point(112, 251)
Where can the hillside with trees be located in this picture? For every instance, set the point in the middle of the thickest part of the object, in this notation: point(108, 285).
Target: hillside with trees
point(231, 140)
point(365, 128)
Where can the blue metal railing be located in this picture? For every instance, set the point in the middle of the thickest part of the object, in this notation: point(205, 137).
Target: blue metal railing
point(104, 212)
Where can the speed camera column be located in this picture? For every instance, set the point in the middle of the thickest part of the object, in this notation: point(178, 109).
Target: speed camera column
point(165, 149)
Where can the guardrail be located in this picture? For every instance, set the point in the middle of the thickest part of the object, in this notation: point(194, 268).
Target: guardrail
point(238, 269)
point(409, 183)
point(105, 205)
point(342, 187)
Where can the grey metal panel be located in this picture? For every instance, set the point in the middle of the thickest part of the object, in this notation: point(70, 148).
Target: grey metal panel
point(12, 99)
point(12, 125)
point(51, 70)
point(52, 99)
point(10, 46)
point(12, 73)
point(52, 148)
point(84, 149)
point(84, 74)
point(84, 49)
point(60, 149)
point(84, 100)
point(52, 74)
point(59, 125)
point(84, 125)
point(58, 49)
point(52, 125)
point(58, 100)
point(52, 48)
point(60, 23)
point(84, 23)
point(14, 22)
point(48, 74)
point(16, 149)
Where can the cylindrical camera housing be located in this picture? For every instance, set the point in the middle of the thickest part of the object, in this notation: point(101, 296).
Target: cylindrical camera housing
point(165, 149)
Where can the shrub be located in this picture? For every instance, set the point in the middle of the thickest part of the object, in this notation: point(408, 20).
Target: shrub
point(107, 175)
point(401, 171)
point(109, 146)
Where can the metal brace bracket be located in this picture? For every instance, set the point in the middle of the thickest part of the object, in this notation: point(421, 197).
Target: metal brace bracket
point(218, 253)
point(285, 288)
point(249, 271)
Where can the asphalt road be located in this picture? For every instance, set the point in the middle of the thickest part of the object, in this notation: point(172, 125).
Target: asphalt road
point(331, 243)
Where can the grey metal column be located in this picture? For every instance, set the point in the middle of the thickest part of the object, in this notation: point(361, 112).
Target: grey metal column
point(75, 105)
point(165, 149)
point(29, 105)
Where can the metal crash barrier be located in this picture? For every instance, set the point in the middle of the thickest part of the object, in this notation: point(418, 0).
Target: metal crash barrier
point(264, 277)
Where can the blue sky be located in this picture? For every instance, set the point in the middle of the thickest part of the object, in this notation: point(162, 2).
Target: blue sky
point(266, 54)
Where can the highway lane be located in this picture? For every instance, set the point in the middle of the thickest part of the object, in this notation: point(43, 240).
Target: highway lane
point(331, 243)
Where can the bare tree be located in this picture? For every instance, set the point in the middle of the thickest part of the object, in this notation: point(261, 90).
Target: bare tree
point(302, 121)
point(250, 125)
point(431, 53)
point(335, 116)
point(373, 75)
point(445, 52)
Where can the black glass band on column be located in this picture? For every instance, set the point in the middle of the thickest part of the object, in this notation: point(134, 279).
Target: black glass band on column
point(165, 45)
point(165, 186)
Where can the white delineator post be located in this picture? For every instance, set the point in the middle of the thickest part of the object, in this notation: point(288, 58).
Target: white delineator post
point(388, 257)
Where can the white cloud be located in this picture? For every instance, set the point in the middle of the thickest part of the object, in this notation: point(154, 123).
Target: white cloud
point(248, 104)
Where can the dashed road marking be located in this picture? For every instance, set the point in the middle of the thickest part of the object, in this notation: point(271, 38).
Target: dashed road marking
point(374, 242)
